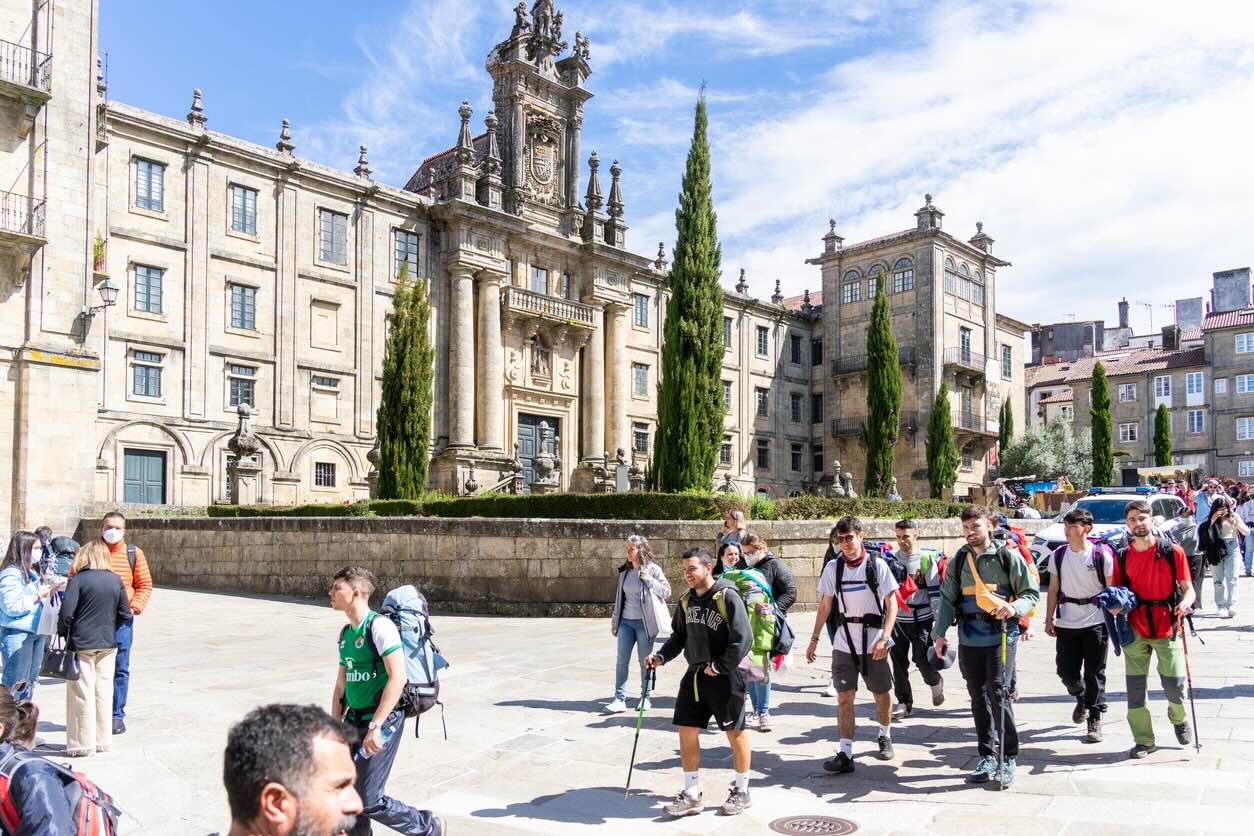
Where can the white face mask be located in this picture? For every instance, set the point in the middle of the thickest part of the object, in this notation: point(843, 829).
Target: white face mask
point(112, 536)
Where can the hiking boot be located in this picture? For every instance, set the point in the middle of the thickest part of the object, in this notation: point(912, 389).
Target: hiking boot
point(684, 805)
point(737, 802)
point(1079, 712)
point(1184, 734)
point(830, 691)
point(751, 720)
point(1140, 750)
point(840, 764)
point(764, 721)
point(119, 727)
point(1005, 775)
point(615, 706)
point(984, 770)
point(902, 711)
point(1095, 728)
point(886, 748)
point(938, 693)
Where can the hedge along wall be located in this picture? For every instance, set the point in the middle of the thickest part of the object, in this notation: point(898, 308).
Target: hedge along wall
point(505, 566)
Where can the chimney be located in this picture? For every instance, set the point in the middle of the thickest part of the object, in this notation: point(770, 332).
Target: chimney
point(1171, 337)
point(1123, 313)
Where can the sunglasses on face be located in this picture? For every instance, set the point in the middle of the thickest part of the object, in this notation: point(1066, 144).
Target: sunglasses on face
point(845, 538)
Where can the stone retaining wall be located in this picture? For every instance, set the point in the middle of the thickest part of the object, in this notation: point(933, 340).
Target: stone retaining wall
point(505, 566)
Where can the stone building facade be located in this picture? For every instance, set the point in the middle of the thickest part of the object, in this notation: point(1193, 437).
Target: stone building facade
point(248, 275)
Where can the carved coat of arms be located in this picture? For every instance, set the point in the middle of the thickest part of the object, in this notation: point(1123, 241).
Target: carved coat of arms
point(543, 141)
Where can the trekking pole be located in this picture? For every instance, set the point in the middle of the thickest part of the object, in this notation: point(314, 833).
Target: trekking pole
point(1001, 731)
point(649, 682)
point(1188, 677)
point(1193, 630)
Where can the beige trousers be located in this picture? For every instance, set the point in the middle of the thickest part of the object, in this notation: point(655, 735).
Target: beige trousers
point(89, 703)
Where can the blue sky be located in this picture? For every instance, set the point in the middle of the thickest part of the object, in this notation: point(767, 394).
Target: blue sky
point(1105, 146)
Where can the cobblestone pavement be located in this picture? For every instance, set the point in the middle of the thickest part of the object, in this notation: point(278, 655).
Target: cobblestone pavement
point(529, 752)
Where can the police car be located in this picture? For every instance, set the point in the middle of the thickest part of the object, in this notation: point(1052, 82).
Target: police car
point(1107, 506)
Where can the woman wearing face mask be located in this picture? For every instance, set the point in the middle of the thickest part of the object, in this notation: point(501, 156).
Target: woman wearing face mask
point(784, 591)
point(729, 557)
point(22, 597)
point(638, 615)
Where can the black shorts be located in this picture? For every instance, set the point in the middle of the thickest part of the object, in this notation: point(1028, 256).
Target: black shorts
point(723, 697)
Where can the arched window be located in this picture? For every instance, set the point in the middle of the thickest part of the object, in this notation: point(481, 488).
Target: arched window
point(874, 276)
point(964, 282)
point(851, 287)
point(852, 275)
point(903, 275)
point(977, 288)
point(951, 276)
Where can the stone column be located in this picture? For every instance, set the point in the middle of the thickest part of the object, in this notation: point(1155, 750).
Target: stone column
point(616, 378)
point(195, 297)
point(285, 309)
point(572, 164)
point(490, 373)
point(519, 141)
point(461, 357)
point(594, 390)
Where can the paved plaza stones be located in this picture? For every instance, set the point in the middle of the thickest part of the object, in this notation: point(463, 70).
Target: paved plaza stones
point(528, 751)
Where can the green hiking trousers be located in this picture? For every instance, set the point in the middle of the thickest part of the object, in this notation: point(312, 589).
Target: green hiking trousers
point(1136, 657)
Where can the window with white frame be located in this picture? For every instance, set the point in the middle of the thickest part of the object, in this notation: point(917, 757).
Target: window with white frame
point(850, 292)
point(243, 307)
point(1065, 412)
point(149, 185)
point(1007, 362)
point(243, 209)
point(1245, 384)
point(1193, 382)
point(794, 458)
point(241, 384)
point(977, 288)
point(146, 373)
point(1245, 343)
point(762, 398)
point(1162, 386)
point(332, 236)
point(539, 279)
point(324, 397)
point(725, 451)
point(324, 474)
point(903, 275)
point(404, 253)
point(764, 341)
point(640, 438)
point(764, 453)
point(874, 276)
point(795, 407)
point(1127, 392)
point(964, 344)
point(148, 286)
point(1129, 432)
point(1245, 468)
point(1196, 422)
point(641, 305)
point(727, 395)
point(1245, 428)
point(964, 282)
point(727, 332)
point(1221, 386)
point(639, 380)
point(951, 276)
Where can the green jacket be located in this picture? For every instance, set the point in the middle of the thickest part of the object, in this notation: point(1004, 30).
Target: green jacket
point(957, 595)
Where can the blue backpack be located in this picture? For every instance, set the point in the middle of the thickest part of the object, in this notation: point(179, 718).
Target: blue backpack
point(407, 609)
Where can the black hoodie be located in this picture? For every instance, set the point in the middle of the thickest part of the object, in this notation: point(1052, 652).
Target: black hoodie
point(700, 631)
point(776, 573)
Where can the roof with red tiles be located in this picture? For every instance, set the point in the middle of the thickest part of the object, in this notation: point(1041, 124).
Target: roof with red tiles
point(1050, 374)
point(1137, 361)
point(794, 303)
point(1065, 396)
point(1228, 319)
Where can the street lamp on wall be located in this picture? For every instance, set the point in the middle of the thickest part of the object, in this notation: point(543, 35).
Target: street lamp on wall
point(108, 296)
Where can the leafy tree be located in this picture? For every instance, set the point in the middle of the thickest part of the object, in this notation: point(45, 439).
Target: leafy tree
point(690, 403)
point(1102, 438)
point(1162, 436)
point(942, 452)
point(1048, 452)
point(883, 377)
point(403, 421)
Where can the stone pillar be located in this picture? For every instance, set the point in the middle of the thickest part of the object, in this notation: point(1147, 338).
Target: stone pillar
point(572, 164)
point(616, 377)
point(461, 358)
point(363, 326)
point(594, 390)
point(285, 310)
point(519, 141)
point(489, 393)
point(195, 298)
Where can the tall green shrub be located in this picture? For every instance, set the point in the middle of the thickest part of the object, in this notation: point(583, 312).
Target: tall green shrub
point(1162, 436)
point(1005, 427)
point(942, 451)
point(883, 376)
point(403, 420)
point(1102, 437)
point(690, 404)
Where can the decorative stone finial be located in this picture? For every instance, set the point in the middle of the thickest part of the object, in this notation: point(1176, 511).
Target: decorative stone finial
point(927, 199)
point(471, 485)
point(616, 192)
point(742, 286)
point(243, 443)
point(981, 240)
point(363, 164)
point(778, 296)
point(284, 145)
point(593, 197)
point(806, 307)
point(196, 116)
point(832, 241)
point(492, 159)
point(465, 145)
point(979, 227)
point(929, 216)
point(660, 262)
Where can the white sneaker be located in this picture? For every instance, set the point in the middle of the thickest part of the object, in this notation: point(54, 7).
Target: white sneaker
point(938, 693)
point(831, 690)
point(1229, 613)
point(615, 707)
point(1221, 613)
point(647, 704)
point(751, 720)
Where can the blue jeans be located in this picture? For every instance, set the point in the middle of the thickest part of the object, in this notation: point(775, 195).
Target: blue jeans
point(372, 778)
point(22, 654)
point(1249, 552)
point(631, 633)
point(760, 695)
point(1226, 577)
point(122, 669)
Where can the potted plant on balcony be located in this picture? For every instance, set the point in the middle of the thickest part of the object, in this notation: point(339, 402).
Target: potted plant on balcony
point(98, 254)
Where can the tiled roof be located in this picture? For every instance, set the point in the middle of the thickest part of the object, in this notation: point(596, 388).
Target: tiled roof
point(433, 167)
point(794, 303)
point(1046, 375)
point(1191, 334)
point(1065, 396)
point(1138, 361)
point(1228, 319)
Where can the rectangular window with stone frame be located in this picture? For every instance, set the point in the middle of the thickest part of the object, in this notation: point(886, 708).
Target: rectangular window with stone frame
point(640, 380)
point(816, 351)
point(794, 458)
point(539, 280)
point(146, 369)
point(324, 474)
point(764, 341)
point(241, 384)
point(727, 395)
point(640, 306)
point(762, 398)
point(816, 455)
point(816, 409)
point(725, 451)
point(764, 453)
point(243, 209)
point(1129, 433)
point(332, 237)
point(850, 292)
point(794, 349)
point(640, 439)
point(795, 407)
point(149, 185)
point(148, 287)
point(243, 307)
point(404, 253)
point(1007, 362)
point(727, 332)
point(324, 398)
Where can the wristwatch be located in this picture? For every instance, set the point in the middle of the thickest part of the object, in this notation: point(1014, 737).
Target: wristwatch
point(888, 642)
point(373, 726)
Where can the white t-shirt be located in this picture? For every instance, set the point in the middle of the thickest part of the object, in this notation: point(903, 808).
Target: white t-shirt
point(854, 599)
point(384, 632)
point(1078, 579)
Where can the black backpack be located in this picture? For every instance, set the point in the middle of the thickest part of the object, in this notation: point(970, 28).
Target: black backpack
point(1163, 550)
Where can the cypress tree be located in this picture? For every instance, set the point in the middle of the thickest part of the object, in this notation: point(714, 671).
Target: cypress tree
point(403, 421)
point(942, 452)
point(1103, 445)
point(1005, 426)
point(690, 405)
point(1162, 436)
point(883, 376)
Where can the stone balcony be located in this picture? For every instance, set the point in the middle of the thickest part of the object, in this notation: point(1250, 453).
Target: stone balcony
point(519, 303)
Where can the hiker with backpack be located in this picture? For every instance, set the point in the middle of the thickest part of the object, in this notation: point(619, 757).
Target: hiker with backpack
point(1187, 535)
point(986, 591)
point(858, 607)
point(32, 800)
point(1155, 570)
point(783, 591)
point(711, 628)
point(913, 633)
point(640, 613)
point(1080, 569)
point(22, 598)
point(371, 681)
point(128, 563)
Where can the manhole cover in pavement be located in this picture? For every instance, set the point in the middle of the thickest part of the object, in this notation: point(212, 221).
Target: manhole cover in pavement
point(819, 825)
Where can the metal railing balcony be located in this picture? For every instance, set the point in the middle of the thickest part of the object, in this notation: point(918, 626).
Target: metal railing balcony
point(973, 422)
point(853, 363)
point(519, 300)
point(21, 215)
point(25, 67)
point(968, 360)
point(852, 425)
